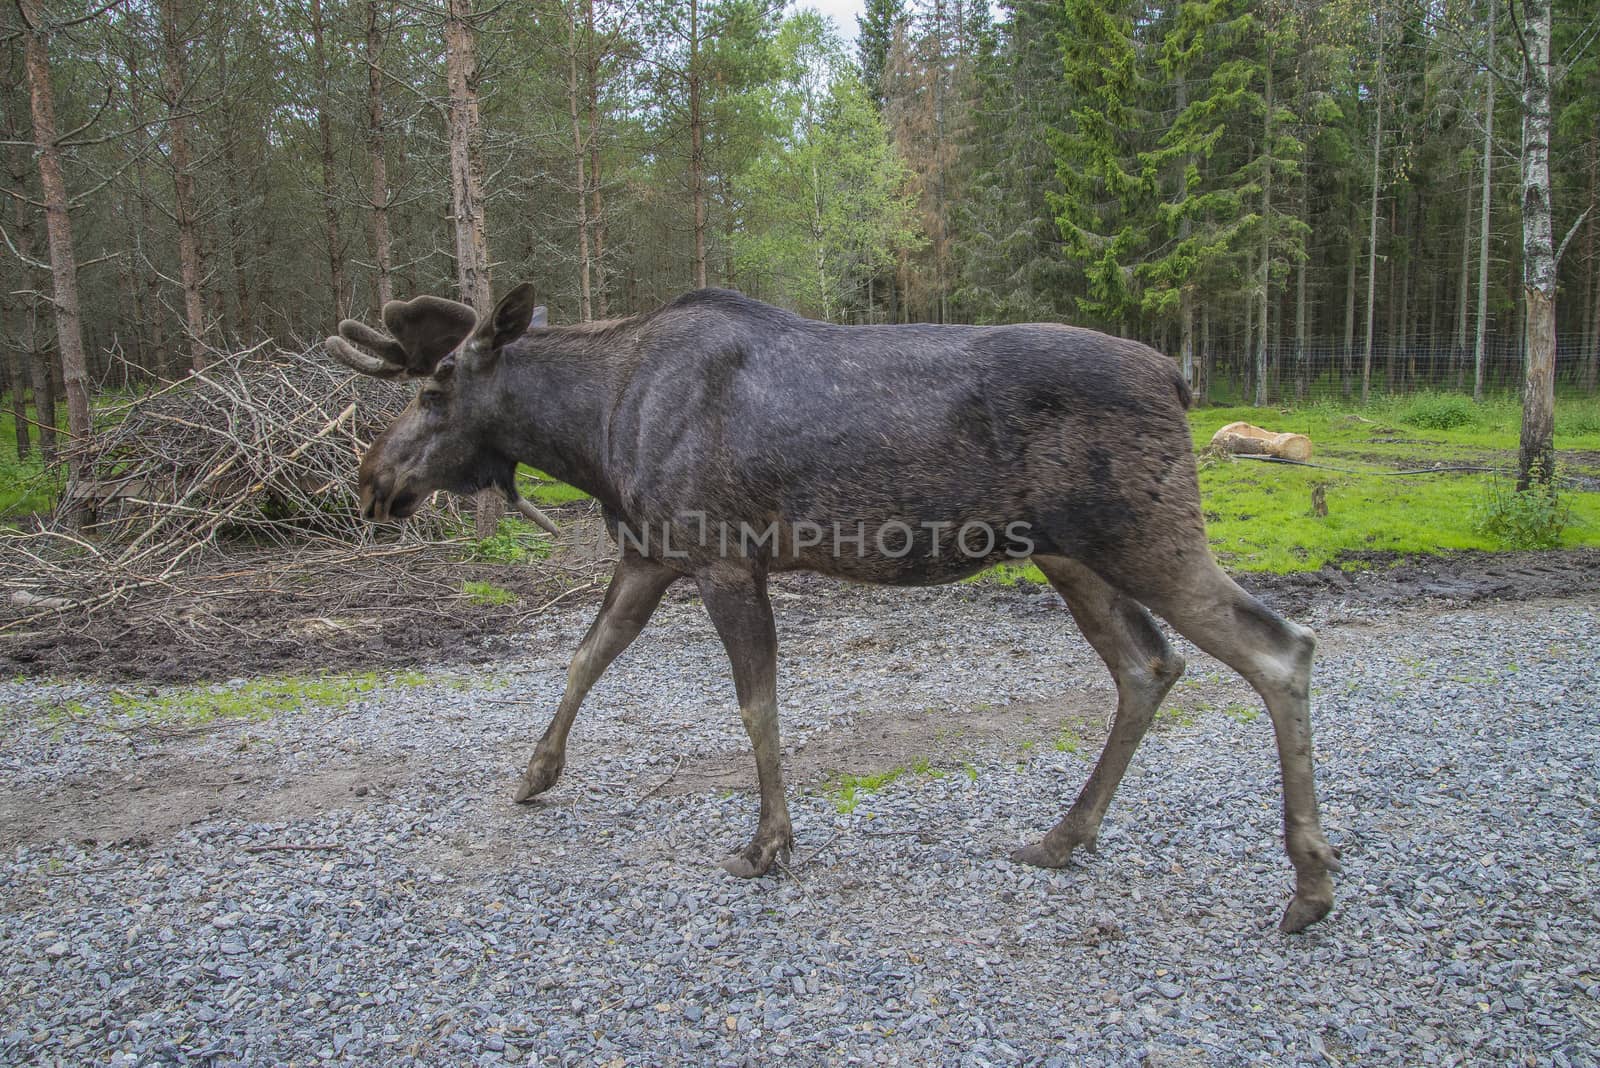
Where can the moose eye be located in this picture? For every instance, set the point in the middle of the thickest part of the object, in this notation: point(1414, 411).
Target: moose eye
point(431, 399)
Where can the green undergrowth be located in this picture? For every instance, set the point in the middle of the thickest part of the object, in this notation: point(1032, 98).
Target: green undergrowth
point(25, 485)
point(847, 791)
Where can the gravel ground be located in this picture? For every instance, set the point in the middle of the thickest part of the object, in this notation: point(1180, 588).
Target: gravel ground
point(423, 919)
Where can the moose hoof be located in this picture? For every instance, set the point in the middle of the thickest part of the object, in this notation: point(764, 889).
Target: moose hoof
point(1304, 911)
point(755, 859)
point(540, 776)
point(1053, 851)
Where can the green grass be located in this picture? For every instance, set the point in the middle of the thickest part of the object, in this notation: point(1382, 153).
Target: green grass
point(847, 791)
point(487, 593)
point(1177, 716)
point(1240, 713)
point(542, 489)
point(514, 541)
point(253, 700)
point(1068, 740)
point(25, 487)
point(1258, 515)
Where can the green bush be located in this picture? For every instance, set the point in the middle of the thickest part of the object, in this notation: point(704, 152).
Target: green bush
point(1439, 411)
point(1528, 519)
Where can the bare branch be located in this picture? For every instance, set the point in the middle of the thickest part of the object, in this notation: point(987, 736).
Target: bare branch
point(1560, 250)
point(19, 254)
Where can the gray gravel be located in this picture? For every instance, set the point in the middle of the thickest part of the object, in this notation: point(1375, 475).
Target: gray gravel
point(432, 922)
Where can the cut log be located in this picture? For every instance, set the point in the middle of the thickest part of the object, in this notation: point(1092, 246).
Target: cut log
point(1243, 439)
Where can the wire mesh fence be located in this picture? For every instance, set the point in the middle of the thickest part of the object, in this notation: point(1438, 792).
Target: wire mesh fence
point(1326, 369)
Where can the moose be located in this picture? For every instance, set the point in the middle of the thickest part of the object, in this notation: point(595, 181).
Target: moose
point(894, 454)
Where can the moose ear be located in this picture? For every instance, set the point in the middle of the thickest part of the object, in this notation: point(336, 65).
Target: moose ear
point(540, 317)
point(511, 319)
point(428, 328)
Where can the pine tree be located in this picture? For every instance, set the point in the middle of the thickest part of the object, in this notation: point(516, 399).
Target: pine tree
point(1008, 260)
point(875, 30)
point(1105, 208)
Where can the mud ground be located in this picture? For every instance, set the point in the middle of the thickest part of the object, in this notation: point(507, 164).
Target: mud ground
point(419, 614)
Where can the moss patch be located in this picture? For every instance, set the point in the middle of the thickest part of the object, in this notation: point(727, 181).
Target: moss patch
point(253, 700)
point(487, 593)
point(847, 791)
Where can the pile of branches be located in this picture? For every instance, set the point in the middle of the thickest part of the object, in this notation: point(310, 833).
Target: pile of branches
point(261, 447)
point(215, 526)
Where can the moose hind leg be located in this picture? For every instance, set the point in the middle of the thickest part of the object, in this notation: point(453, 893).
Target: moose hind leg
point(742, 614)
point(637, 586)
point(1144, 666)
point(1274, 656)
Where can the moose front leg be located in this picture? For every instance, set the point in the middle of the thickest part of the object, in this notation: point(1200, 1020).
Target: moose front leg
point(637, 586)
point(739, 609)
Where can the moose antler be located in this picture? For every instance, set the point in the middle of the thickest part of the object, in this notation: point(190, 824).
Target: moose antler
point(424, 330)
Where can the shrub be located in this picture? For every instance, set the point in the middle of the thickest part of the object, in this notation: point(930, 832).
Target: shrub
point(1439, 411)
point(1528, 519)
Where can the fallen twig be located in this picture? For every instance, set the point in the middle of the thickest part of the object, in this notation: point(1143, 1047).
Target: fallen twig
point(291, 847)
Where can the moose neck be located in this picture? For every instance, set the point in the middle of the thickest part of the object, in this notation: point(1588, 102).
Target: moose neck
point(558, 393)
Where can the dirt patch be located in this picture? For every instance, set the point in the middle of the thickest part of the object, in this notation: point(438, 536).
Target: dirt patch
point(884, 741)
point(1387, 579)
point(163, 792)
point(251, 612)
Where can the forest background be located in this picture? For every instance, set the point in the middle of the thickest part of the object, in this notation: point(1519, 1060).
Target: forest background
point(1295, 199)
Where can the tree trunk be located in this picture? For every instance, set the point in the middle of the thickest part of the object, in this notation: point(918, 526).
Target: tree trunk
point(176, 78)
point(597, 215)
point(1264, 282)
point(1591, 333)
point(466, 187)
point(697, 153)
point(377, 155)
point(1301, 371)
point(1186, 333)
point(466, 170)
point(579, 155)
point(244, 306)
point(1372, 224)
point(1463, 289)
point(1400, 337)
point(1202, 395)
point(58, 231)
point(330, 196)
point(1350, 302)
point(1483, 219)
point(18, 307)
point(1536, 459)
point(1591, 373)
point(19, 393)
